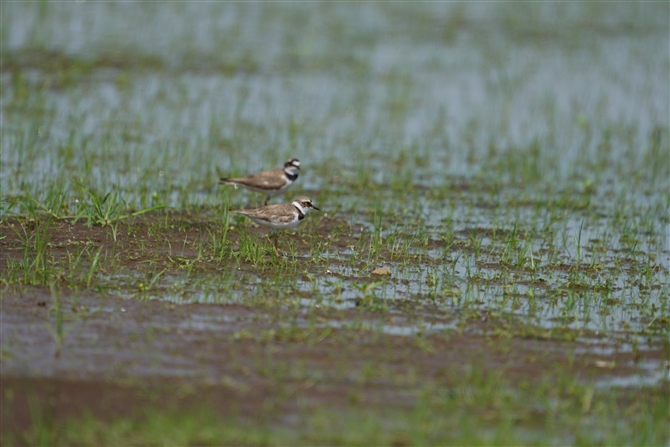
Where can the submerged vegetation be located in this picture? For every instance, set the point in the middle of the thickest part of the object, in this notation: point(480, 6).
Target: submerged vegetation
point(491, 264)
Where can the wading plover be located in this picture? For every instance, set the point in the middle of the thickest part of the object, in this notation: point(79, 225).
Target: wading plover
point(271, 182)
point(280, 216)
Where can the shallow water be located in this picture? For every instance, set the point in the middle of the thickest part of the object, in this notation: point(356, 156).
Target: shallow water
point(435, 107)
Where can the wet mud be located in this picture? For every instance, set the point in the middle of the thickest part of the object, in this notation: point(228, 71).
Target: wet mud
point(112, 355)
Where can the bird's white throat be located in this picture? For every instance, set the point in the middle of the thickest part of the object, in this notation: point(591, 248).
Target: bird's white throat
point(302, 210)
point(291, 171)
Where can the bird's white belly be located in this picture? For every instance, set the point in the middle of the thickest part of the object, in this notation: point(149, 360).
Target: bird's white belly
point(275, 225)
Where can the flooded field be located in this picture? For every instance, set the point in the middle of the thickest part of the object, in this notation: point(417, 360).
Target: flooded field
point(490, 265)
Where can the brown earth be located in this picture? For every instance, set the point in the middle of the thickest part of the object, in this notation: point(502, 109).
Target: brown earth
point(120, 355)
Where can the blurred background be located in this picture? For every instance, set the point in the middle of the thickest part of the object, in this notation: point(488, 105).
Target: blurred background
point(155, 99)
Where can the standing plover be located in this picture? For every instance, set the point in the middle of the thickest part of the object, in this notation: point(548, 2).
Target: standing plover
point(280, 216)
point(271, 182)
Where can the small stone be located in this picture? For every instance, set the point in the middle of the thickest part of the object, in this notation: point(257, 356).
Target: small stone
point(381, 271)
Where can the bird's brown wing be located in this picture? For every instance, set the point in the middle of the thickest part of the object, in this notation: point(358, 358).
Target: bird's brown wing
point(282, 212)
point(272, 179)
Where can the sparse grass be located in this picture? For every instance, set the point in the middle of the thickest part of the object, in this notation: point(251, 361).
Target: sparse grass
point(35, 267)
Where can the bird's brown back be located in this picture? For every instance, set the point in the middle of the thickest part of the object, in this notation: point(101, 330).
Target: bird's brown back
point(282, 212)
point(273, 178)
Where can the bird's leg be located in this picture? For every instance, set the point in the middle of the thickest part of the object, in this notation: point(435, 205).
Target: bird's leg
point(274, 244)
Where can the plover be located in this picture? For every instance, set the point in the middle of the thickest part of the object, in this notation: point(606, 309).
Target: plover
point(271, 182)
point(280, 216)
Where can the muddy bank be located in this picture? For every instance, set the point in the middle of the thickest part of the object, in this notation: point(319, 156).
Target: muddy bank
point(122, 354)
